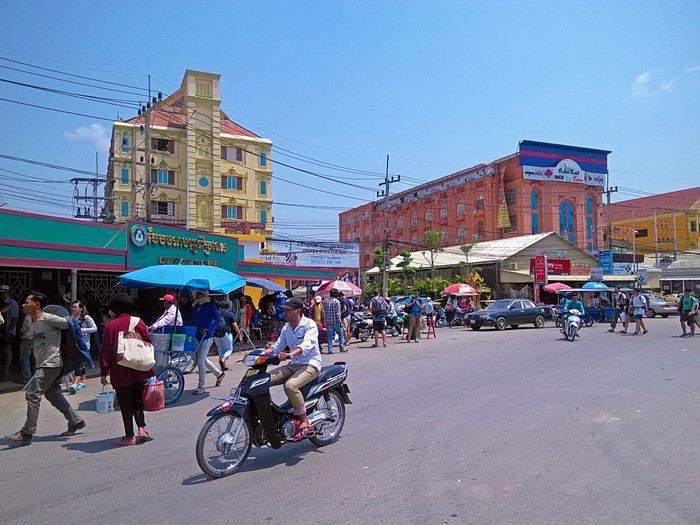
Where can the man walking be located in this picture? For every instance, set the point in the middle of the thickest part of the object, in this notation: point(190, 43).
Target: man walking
point(688, 309)
point(639, 308)
point(619, 302)
point(345, 316)
point(378, 309)
point(331, 317)
point(45, 330)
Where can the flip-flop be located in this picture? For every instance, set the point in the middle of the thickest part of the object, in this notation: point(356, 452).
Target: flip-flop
point(145, 438)
point(302, 433)
point(121, 443)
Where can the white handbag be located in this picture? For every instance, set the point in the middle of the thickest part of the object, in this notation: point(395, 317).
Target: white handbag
point(132, 351)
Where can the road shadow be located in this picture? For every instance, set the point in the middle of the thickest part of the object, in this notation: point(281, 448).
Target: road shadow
point(266, 458)
point(95, 447)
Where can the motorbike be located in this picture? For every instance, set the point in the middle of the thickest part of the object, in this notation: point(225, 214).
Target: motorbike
point(396, 327)
point(572, 324)
point(360, 328)
point(440, 317)
point(248, 416)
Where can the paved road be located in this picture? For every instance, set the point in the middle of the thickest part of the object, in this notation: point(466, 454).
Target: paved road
point(474, 427)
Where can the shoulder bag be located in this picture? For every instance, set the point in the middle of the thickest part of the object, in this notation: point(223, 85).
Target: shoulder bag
point(132, 351)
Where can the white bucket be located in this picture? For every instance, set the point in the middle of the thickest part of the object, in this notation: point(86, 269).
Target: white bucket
point(161, 345)
point(178, 343)
point(105, 401)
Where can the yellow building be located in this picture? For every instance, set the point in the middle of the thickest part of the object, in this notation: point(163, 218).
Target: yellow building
point(667, 223)
point(205, 171)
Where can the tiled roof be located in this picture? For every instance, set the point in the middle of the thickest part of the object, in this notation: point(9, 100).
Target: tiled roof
point(664, 203)
point(169, 119)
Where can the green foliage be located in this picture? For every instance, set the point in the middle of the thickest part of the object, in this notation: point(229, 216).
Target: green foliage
point(466, 248)
point(378, 258)
point(395, 287)
point(432, 242)
point(432, 286)
point(368, 291)
point(407, 271)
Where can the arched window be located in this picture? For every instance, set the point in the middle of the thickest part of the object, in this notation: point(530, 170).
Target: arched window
point(357, 216)
point(414, 220)
point(400, 243)
point(566, 221)
point(428, 216)
point(444, 235)
point(399, 223)
point(376, 228)
point(348, 237)
point(480, 202)
point(414, 241)
point(443, 212)
point(366, 233)
point(534, 204)
point(357, 235)
point(481, 229)
point(366, 214)
point(461, 232)
point(460, 208)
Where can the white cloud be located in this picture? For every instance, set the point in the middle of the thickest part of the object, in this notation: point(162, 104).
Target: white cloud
point(657, 81)
point(96, 134)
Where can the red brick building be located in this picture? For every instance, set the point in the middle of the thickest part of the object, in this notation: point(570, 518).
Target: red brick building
point(542, 187)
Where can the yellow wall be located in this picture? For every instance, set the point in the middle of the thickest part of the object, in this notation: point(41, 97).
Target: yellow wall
point(685, 238)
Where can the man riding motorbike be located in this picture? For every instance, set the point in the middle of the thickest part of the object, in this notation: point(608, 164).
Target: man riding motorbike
point(572, 304)
point(298, 340)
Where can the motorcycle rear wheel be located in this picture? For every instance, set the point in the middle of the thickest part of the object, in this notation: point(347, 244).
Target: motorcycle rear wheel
point(327, 432)
point(217, 453)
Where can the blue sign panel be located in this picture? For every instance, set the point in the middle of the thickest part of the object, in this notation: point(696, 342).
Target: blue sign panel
point(545, 154)
point(605, 261)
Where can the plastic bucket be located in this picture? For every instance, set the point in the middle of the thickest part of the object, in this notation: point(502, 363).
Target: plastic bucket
point(105, 401)
point(161, 345)
point(178, 342)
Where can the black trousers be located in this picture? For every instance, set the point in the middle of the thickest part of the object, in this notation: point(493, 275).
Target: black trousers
point(131, 404)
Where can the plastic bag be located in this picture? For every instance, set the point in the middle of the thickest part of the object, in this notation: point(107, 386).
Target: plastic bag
point(154, 396)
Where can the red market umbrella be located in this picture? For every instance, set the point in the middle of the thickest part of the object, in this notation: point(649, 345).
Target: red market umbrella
point(347, 288)
point(459, 289)
point(556, 287)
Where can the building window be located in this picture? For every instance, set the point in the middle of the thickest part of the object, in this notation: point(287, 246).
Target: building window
point(566, 221)
point(481, 229)
point(232, 183)
point(589, 204)
point(163, 177)
point(414, 240)
point(480, 202)
point(163, 208)
point(513, 224)
point(232, 212)
point(348, 237)
point(376, 228)
point(366, 214)
point(535, 224)
point(589, 227)
point(125, 175)
point(443, 212)
point(428, 216)
point(642, 233)
point(357, 235)
point(533, 200)
point(263, 187)
point(511, 196)
point(163, 145)
point(263, 216)
point(125, 144)
point(263, 159)
point(461, 232)
point(414, 220)
point(444, 235)
point(366, 233)
point(693, 226)
point(231, 153)
point(399, 223)
point(460, 208)
point(203, 88)
point(125, 209)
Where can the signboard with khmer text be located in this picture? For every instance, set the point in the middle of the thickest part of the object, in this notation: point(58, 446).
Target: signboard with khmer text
point(151, 244)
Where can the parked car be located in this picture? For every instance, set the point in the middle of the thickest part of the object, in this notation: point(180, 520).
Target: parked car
point(399, 302)
point(509, 312)
point(658, 306)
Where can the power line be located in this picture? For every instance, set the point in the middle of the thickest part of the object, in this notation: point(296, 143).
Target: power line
point(56, 110)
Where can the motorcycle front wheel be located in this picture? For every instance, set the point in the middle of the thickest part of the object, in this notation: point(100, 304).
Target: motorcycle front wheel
point(223, 445)
point(328, 431)
point(441, 322)
point(572, 333)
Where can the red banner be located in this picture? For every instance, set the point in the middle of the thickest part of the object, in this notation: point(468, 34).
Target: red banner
point(541, 269)
point(559, 266)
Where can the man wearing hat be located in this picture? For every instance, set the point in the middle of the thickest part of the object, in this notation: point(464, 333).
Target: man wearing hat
point(171, 316)
point(298, 340)
point(10, 312)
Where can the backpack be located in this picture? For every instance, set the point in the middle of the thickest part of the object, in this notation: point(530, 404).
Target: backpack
point(220, 331)
point(378, 307)
point(622, 300)
point(74, 350)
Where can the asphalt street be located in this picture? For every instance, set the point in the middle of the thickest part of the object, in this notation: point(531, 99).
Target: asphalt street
point(517, 426)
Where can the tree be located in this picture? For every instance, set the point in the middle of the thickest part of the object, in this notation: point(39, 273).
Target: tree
point(378, 258)
point(406, 269)
point(432, 242)
point(466, 248)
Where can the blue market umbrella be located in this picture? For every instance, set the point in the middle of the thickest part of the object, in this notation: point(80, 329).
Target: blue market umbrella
point(265, 284)
point(190, 277)
point(595, 286)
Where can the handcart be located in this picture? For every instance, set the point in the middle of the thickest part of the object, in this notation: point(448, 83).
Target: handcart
point(166, 367)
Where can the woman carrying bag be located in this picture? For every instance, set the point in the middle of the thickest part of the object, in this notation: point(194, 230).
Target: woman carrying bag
point(127, 382)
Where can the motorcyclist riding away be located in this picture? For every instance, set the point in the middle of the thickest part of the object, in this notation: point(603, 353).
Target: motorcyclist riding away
point(572, 304)
point(298, 340)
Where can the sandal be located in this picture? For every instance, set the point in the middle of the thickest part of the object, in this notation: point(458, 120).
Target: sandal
point(220, 378)
point(302, 433)
point(144, 437)
point(374, 346)
point(198, 391)
point(122, 443)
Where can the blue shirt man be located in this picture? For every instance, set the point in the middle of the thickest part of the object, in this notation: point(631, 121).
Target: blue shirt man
point(413, 307)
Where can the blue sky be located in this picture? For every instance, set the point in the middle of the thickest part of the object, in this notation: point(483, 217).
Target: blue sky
point(438, 86)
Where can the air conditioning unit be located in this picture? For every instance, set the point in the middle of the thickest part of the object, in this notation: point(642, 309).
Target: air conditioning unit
point(512, 266)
